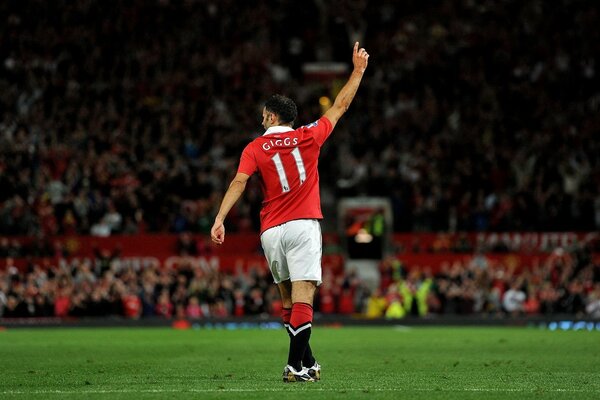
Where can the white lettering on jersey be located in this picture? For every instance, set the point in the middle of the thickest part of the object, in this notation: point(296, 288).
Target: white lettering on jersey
point(279, 143)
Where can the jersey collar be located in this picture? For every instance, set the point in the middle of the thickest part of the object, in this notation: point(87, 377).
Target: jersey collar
point(277, 129)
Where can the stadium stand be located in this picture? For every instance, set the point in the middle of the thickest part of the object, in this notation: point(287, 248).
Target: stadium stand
point(128, 118)
point(565, 282)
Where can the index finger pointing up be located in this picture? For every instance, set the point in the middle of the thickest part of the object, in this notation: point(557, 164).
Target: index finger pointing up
point(355, 47)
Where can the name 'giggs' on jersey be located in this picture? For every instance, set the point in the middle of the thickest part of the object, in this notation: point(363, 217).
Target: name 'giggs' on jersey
point(287, 161)
point(280, 142)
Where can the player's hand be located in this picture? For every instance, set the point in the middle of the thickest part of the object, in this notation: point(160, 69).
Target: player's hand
point(217, 233)
point(360, 58)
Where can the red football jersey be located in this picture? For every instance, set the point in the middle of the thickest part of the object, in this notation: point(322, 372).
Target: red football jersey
point(287, 161)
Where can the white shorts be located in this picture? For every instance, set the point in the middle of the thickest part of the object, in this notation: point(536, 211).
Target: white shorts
point(293, 250)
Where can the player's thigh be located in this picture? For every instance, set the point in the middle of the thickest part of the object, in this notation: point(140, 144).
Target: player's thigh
point(303, 248)
point(271, 241)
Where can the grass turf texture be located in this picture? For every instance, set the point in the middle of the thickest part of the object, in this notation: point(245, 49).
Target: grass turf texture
point(373, 363)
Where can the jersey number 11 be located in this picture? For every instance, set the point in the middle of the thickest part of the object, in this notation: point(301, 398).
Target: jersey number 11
point(281, 171)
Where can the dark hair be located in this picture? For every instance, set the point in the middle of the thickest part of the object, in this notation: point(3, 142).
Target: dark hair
point(283, 107)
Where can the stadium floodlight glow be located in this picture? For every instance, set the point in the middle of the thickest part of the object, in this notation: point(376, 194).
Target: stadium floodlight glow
point(325, 101)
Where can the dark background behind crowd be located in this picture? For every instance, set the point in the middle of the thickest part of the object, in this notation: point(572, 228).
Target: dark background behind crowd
point(129, 116)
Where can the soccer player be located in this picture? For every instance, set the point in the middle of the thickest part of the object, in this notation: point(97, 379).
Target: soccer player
point(286, 161)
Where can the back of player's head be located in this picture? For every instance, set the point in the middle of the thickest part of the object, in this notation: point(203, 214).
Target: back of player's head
point(283, 107)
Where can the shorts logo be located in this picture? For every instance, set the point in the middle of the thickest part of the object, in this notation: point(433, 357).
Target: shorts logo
point(275, 271)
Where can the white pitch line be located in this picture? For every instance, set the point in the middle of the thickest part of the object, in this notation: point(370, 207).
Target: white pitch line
point(234, 390)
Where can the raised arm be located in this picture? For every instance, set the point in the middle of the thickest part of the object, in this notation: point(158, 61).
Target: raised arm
point(236, 188)
point(360, 59)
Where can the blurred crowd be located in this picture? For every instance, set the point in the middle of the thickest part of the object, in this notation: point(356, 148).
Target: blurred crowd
point(129, 116)
point(566, 283)
point(106, 287)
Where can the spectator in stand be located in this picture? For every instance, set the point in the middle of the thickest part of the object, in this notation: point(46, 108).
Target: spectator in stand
point(346, 302)
point(513, 299)
point(62, 302)
point(219, 309)
point(193, 309)
point(255, 304)
point(395, 308)
point(549, 297)
point(132, 305)
point(592, 307)
point(326, 295)
point(164, 306)
point(239, 308)
point(376, 305)
point(13, 308)
point(532, 304)
point(78, 304)
point(42, 306)
point(99, 306)
point(273, 301)
point(573, 301)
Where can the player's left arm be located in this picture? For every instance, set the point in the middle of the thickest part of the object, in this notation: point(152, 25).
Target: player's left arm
point(233, 194)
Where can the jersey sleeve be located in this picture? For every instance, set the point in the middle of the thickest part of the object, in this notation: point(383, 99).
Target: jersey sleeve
point(248, 164)
point(320, 130)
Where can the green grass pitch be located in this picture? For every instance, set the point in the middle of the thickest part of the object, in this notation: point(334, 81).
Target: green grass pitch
point(358, 363)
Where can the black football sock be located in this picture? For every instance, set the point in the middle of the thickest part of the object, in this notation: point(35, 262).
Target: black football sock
point(300, 329)
point(308, 360)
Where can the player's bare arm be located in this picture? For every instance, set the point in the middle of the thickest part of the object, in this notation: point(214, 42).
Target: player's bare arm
point(233, 194)
point(360, 59)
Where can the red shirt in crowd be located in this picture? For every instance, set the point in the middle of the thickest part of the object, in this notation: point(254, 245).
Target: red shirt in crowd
point(327, 303)
point(132, 306)
point(61, 306)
